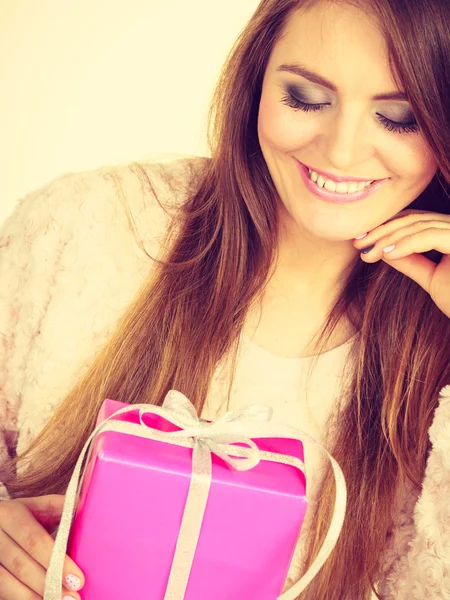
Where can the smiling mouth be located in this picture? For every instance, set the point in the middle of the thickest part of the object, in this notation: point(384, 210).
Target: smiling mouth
point(341, 192)
point(339, 187)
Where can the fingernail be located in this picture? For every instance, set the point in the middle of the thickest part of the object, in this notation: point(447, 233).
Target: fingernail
point(360, 237)
point(72, 582)
point(389, 248)
point(368, 249)
point(67, 598)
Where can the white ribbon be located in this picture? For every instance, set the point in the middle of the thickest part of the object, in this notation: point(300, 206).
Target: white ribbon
point(204, 438)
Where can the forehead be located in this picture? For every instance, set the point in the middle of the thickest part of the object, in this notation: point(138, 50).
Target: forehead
point(339, 41)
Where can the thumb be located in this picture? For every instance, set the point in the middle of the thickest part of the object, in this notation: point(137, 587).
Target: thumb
point(45, 509)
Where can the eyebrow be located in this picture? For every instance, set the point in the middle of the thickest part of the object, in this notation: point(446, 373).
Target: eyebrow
point(298, 69)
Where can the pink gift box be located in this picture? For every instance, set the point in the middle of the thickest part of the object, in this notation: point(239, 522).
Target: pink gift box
point(131, 504)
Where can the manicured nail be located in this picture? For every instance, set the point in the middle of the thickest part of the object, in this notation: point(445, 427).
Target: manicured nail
point(368, 249)
point(389, 248)
point(360, 237)
point(72, 582)
point(67, 598)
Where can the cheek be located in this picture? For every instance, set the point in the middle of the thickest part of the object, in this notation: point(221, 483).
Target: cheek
point(412, 160)
point(281, 127)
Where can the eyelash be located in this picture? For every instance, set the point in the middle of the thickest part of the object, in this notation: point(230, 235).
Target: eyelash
point(296, 104)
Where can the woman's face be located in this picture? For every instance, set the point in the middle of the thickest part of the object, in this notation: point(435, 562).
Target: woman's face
point(346, 135)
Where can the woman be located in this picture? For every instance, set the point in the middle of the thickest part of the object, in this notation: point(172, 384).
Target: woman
point(331, 122)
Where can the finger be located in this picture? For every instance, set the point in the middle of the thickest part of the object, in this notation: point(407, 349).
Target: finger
point(24, 568)
point(417, 267)
point(38, 543)
point(401, 227)
point(12, 589)
point(428, 239)
point(400, 245)
point(21, 565)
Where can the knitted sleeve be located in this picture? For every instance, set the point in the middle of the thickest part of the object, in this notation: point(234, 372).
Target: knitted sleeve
point(31, 242)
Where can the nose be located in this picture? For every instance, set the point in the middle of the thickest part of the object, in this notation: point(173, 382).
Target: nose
point(344, 143)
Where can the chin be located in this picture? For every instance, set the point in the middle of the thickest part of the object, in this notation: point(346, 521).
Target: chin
point(326, 232)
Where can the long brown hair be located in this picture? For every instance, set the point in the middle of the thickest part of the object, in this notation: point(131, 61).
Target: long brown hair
point(190, 313)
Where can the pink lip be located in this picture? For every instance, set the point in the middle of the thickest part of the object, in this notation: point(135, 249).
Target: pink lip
point(338, 177)
point(334, 197)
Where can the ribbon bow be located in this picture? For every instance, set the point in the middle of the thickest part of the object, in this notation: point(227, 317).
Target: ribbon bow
point(204, 438)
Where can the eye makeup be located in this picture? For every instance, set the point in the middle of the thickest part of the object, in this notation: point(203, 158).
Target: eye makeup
point(399, 127)
point(297, 98)
point(307, 94)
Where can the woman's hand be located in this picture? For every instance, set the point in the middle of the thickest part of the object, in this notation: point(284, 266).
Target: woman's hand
point(26, 546)
point(413, 232)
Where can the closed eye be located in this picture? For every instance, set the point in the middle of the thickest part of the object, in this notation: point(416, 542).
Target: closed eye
point(293, 102)
point(412, 127)
point(297, 104)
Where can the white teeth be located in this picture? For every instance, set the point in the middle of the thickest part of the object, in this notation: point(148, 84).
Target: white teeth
point(343, 187)
point(330, 185)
